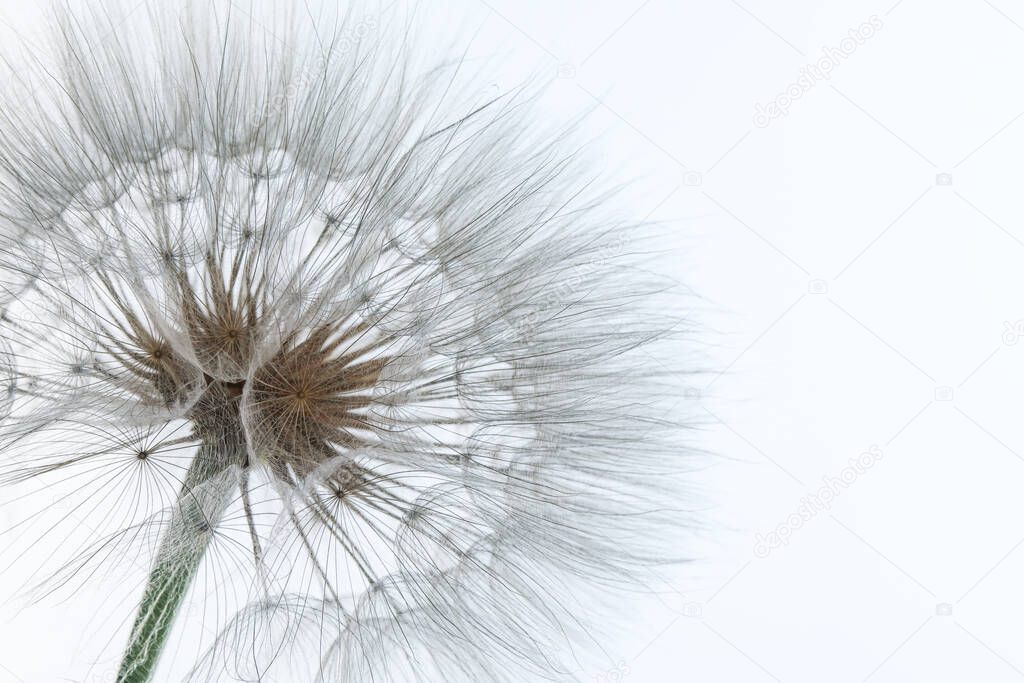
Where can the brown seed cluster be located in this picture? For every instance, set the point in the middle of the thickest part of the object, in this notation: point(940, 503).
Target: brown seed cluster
point(301, 406)
point(307, 401)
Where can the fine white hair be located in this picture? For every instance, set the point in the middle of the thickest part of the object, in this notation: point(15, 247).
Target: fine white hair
point(291, 305)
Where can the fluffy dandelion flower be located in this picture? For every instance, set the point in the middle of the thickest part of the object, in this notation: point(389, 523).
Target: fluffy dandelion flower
point(358, 363)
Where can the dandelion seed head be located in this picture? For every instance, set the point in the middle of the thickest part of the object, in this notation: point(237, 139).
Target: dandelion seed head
point(364, 342)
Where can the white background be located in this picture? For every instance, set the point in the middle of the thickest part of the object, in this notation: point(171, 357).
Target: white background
point(860, 264)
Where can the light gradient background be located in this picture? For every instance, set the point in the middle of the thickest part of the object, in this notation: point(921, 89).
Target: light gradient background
point(860, 264)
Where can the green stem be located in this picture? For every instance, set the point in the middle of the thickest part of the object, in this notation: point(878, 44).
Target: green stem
point(182, 548)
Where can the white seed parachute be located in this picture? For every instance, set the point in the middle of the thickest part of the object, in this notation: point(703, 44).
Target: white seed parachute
point(363, 366)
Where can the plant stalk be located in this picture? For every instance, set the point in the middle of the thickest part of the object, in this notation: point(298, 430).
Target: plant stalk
point(199, 507)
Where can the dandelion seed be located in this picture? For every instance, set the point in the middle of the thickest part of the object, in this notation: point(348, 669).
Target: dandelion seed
point(302, 319)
